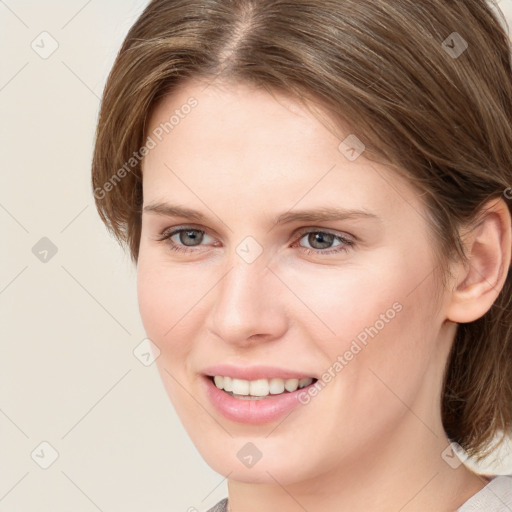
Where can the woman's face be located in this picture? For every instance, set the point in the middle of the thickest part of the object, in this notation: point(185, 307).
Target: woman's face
point(341, 289)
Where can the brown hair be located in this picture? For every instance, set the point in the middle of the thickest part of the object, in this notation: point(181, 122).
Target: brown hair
point(438, 112)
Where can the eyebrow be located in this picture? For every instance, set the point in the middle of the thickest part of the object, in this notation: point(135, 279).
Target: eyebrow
point(312, 215)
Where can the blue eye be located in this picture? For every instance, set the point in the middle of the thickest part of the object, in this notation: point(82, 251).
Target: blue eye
point(188, 237)
point(318, 241)
point(321, 240)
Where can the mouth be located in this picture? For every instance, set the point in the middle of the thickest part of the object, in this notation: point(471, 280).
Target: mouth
point(259, 389)
point(258, 401)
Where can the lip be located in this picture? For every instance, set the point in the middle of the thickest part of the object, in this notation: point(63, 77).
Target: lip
point(255, 372)
point(253, 412)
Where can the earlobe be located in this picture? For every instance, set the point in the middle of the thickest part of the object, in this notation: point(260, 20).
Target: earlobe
point(479, 280)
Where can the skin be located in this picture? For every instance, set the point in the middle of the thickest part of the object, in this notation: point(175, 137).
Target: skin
point(372, 439)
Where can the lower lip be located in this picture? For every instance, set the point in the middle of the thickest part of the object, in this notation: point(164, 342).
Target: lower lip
point(254, 412)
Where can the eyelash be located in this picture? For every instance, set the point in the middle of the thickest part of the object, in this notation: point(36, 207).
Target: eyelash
point(345, 243)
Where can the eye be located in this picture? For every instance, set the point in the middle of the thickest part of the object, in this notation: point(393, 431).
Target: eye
point(320, 240)
point(184, 239)
point(179, 239)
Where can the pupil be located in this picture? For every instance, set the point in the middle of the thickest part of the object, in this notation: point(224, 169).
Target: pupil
point(192, 235)
point(320, 238)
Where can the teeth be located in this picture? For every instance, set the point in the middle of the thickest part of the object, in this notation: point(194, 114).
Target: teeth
point(260, 387)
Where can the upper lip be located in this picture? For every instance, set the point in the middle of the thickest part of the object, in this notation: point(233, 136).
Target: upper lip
point(254, 372)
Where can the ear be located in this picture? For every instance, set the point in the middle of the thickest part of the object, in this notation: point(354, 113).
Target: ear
point(478, 281)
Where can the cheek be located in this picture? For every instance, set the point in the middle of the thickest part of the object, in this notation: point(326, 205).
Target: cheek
point(166, 304)
point(387, 342)
point(173, 304)
point(384, 291)
point(153, 300)
point(165, 295)
point(378, 317)
point(162, 297)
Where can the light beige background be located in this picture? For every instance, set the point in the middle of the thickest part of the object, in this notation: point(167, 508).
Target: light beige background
point(70, 324)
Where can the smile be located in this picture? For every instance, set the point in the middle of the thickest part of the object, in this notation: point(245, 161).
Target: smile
point(260, 388)
point(271, 399)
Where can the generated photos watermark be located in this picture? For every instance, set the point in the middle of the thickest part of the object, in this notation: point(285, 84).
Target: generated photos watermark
point(152, 140)
point(357, 345)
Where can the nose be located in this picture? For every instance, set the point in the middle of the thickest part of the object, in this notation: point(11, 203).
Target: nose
point(247, 305)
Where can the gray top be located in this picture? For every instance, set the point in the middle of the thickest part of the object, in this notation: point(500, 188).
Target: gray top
point(496, 496)
point(222, 506)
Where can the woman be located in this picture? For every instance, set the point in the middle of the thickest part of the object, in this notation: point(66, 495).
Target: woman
point(317, 198)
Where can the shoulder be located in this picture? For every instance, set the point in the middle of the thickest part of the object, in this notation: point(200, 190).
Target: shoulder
point(496, 496)
point(221, 506)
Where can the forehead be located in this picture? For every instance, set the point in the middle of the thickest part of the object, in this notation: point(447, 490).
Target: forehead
point(243, 146)
point(239, 115)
